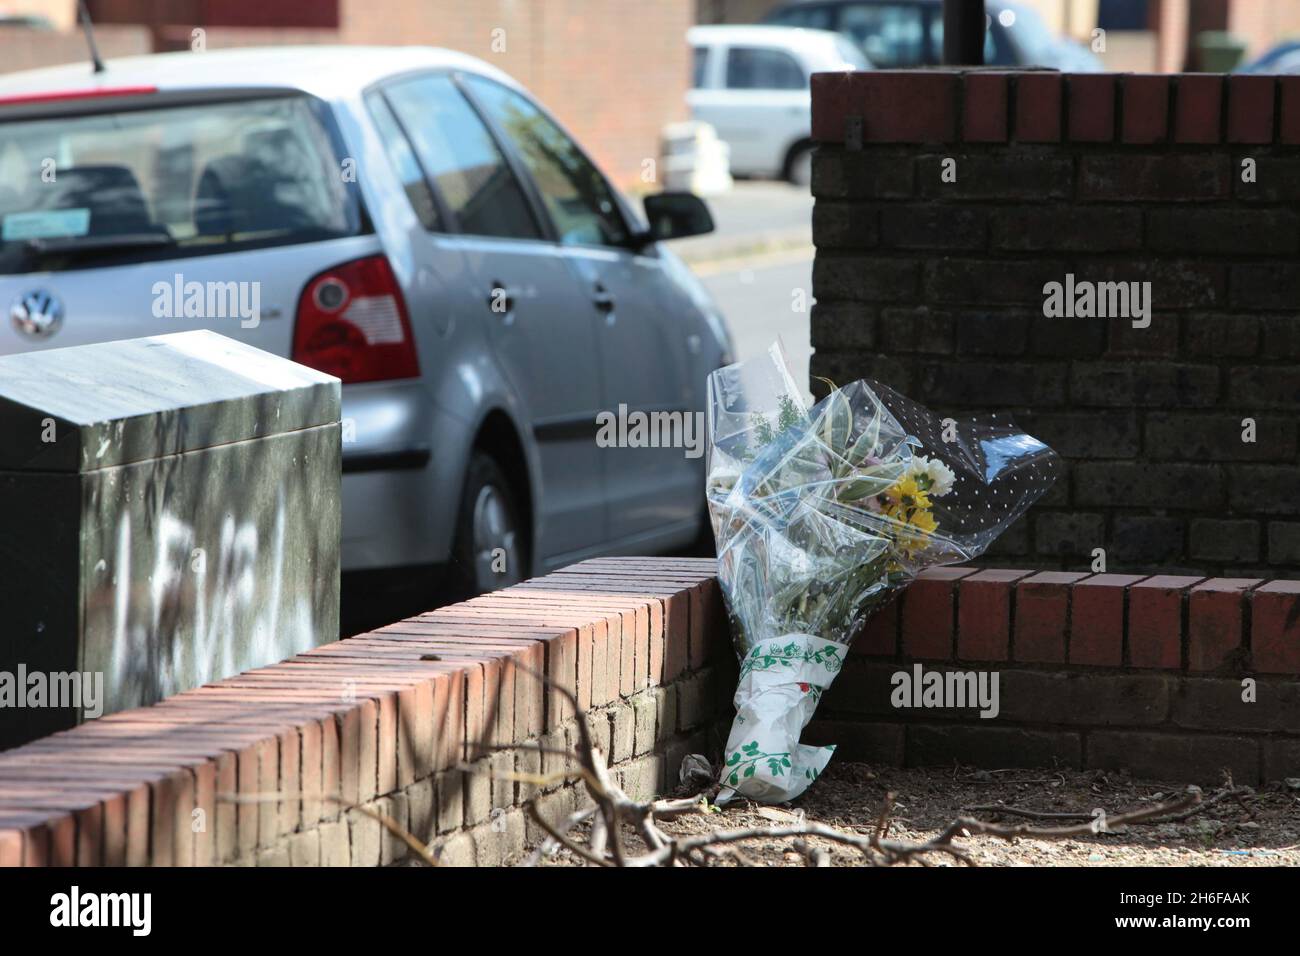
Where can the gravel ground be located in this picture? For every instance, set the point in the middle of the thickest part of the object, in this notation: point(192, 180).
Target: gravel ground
point(1261, 829)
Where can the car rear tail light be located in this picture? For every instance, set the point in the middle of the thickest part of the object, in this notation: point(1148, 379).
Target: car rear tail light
point(352, 323)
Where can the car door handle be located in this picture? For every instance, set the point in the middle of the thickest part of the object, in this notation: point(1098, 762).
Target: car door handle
point(601, 299)
point(501, 299)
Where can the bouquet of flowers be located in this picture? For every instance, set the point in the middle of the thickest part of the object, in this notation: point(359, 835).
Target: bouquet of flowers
point(821, 515)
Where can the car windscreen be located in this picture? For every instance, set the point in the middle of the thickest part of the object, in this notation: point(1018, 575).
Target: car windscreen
point(851, 54)
point(144, 184)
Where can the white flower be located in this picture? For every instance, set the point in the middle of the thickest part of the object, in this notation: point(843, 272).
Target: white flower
point(940, 475)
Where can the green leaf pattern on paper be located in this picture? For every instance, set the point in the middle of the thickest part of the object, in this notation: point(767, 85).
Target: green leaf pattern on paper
point(742, 763)
point(775, 654)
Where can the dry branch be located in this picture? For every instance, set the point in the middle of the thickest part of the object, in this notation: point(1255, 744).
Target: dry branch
point(612, 814)
point(613, 810)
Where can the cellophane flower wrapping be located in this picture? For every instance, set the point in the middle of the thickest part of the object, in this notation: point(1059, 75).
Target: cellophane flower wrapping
point(821, 515)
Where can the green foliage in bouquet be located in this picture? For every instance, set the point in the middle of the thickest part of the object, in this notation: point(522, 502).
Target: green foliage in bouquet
point(821, 515)
point(830, 512)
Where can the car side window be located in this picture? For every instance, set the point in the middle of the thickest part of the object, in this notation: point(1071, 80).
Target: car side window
point(460, 156)
point(576, 195)
point(997, 49)
point(756, 68)
point(698, 66)
point(891, 35)
point(849, 52)
point(815, 18)
point(404, 163)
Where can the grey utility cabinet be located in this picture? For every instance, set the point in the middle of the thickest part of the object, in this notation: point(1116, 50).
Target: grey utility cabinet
point(169, 515)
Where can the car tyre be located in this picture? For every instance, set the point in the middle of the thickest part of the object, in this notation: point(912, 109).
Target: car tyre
point(490, 549)
point(798, 165)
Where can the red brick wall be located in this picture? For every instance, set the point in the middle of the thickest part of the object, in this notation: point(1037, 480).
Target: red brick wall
point(613, 71)
point(421, 721)
point(937, 289)
point(31, 50)
point(321, 14)
point(1135, 672)
point(1262, 25)
point(424, 719)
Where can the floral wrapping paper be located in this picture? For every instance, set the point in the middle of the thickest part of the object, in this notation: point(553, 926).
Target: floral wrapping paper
point(821, 515)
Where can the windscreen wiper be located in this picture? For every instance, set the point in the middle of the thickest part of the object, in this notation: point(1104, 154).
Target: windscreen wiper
point(96, 245)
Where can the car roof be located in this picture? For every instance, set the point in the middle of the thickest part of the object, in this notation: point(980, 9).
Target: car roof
point(327, 71)
point(800, 38)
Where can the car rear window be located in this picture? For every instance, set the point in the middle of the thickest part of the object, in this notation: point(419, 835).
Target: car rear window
point(890, 34)
point(759, 68)
point(174, 181)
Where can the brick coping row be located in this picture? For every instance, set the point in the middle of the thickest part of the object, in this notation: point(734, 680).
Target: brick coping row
point(1170, 622)
point(354, 719)
point(996, 106)
point(372, 714)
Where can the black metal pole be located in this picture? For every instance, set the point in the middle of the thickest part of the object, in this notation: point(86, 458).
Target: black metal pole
point(963, 32)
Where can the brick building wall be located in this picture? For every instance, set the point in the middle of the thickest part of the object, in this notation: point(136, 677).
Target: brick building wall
point(231, 13)
point(613, 71)
point(937, 288)
point(731, 11)
point(62, 14)
point(1262, 25)
point(33, 49)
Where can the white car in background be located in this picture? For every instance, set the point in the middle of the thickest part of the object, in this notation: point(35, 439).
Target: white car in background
point(751, 85)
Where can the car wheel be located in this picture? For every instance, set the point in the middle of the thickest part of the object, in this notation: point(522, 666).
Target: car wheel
point(798, 168)
point(490, 550)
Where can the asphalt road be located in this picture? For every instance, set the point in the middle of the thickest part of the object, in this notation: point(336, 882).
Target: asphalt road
point(752, 218)
point(761, 297)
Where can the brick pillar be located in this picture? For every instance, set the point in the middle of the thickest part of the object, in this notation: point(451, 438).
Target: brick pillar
point(949, 202)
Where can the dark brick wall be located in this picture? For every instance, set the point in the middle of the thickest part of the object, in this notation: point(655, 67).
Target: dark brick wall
point(937, 288)
point(1104, 671)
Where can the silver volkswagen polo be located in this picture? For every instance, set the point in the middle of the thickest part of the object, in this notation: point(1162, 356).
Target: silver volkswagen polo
point(409, 220)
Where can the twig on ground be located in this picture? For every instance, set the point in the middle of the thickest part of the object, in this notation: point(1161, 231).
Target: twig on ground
point(613, 814)
point(1170, 812)
point(417, 846)
point(613, 809)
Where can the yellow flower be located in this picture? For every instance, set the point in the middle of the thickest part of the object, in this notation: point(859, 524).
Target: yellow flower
point(906, 493)
point(923, 520)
